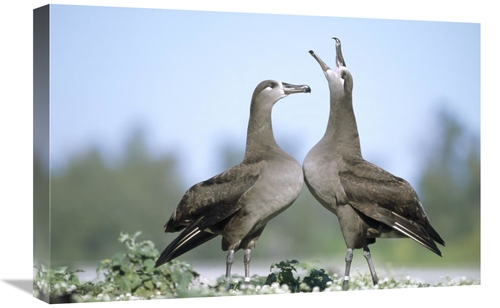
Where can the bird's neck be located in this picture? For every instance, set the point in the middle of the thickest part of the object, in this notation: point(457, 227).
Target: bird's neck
point(342, 132)
point(260, 137)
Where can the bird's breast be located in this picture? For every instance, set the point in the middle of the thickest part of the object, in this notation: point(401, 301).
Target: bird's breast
point(321, 178)
point(287, 178)
point(277, 188)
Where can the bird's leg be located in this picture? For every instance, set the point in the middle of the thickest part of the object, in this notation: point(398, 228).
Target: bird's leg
point(348, 260)
point(246, 262)
point(368, 256)
point(229, 263)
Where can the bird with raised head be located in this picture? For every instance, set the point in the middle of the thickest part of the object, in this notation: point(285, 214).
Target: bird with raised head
point(369, 202)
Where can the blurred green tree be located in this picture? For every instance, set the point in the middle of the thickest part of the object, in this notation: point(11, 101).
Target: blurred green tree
point(450, 188)
point(41, 211)
point(92, 201)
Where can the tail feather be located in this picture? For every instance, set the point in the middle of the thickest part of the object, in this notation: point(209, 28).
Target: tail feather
point(435, 236)
point(406, 227)
point(415, 232)
point(180, 246)
point(188, 239)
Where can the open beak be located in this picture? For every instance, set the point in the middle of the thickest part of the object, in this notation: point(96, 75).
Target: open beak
point(338, 48)
point(291, 88)
point(339, 58)
point(323, 65)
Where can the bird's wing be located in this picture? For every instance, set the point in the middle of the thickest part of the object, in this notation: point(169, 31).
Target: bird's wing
point(369, 184)
point(206, 207)
point(388, 199)
point(218, 194)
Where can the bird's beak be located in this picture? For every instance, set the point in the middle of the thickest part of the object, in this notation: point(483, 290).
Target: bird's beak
point(339, 60)
point(323, 65)
point(338, 48)
point(291, 88)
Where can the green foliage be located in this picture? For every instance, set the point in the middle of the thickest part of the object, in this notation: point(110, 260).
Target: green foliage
point(237, 283)
point(283, 274)
point(130, 275)
point(133, 271)
point(127, 275)
point(55, 285)
point(318, 279)
point(294, 277)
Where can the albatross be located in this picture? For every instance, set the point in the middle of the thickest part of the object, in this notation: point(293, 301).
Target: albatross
point(368, 201)
point(237, 204)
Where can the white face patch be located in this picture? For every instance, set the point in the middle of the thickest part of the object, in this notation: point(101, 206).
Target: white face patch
point(330, 74)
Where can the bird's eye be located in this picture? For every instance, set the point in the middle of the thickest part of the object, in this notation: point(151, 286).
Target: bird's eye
point(271, 85)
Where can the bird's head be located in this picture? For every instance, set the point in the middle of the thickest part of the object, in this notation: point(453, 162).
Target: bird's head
point(269, 92)
point(339, 79)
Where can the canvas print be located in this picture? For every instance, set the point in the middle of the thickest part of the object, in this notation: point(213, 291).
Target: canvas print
point(180, 154)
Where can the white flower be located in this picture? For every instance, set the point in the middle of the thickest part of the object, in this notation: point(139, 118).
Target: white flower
point(71, 288)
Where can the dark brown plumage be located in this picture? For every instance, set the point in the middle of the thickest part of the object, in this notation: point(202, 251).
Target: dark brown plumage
point(238, 203)
point(369, 202)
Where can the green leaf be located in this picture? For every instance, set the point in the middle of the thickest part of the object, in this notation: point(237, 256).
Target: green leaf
point(149, 285)
point(149, 265)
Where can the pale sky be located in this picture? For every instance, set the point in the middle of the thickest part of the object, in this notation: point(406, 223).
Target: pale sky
point(187, 77)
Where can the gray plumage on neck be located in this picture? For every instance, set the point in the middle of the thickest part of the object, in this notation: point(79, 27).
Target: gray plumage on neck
point(260, 137)
point(342, 132)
